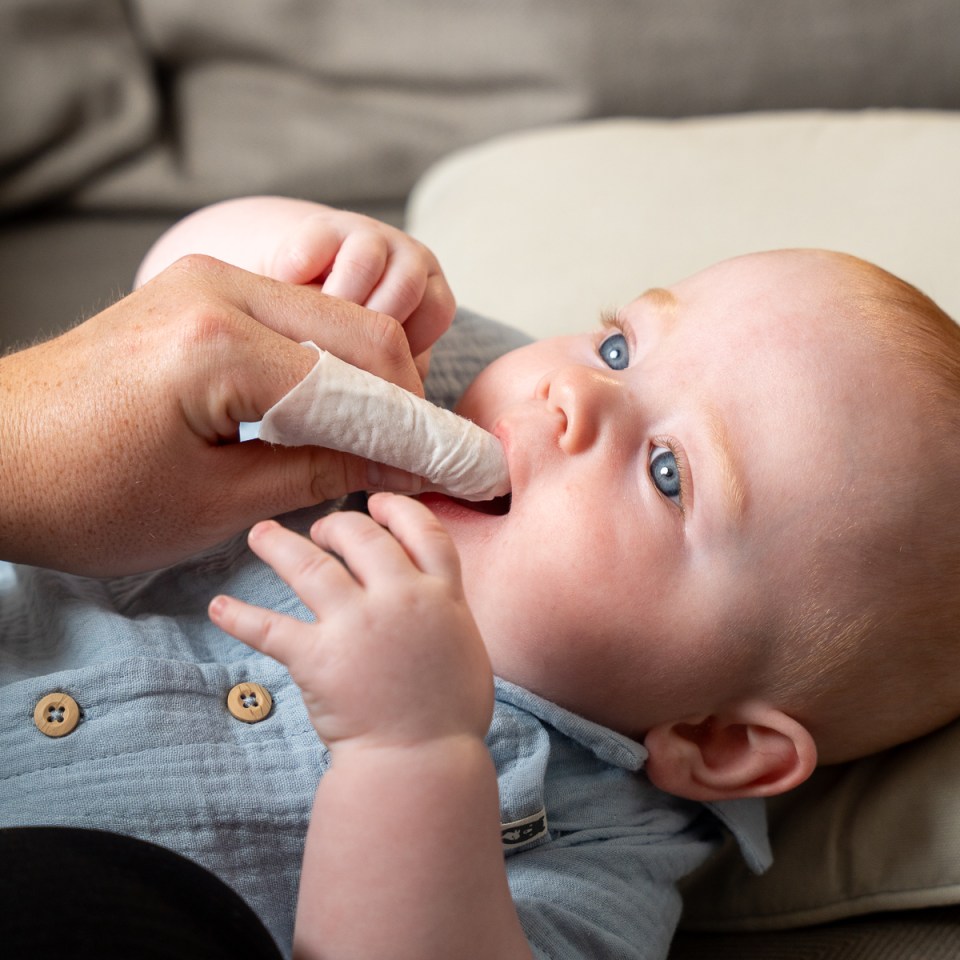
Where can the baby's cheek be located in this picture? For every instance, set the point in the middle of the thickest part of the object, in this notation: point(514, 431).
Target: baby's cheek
point(476, 403)
point(508, 379)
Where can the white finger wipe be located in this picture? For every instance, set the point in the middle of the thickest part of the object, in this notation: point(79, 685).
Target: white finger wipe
point(342, 407)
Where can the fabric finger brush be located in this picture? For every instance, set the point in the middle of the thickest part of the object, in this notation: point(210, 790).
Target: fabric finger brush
point(341, 407)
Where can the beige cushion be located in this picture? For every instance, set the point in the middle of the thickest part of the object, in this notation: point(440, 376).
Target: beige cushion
point(882, 833)
point(542, 229)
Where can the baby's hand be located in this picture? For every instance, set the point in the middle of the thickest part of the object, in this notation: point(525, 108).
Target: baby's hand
point(348, 255)
point(371, 263)
point(394, 656)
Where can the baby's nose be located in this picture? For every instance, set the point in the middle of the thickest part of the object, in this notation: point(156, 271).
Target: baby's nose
point(585, 398)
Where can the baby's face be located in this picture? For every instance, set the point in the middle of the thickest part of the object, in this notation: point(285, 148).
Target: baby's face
point(671, 480)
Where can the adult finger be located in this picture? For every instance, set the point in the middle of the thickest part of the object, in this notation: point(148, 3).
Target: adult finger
point(373, 341)
point(265, 481)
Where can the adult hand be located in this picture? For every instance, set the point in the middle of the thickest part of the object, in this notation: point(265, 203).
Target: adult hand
point(118, 447)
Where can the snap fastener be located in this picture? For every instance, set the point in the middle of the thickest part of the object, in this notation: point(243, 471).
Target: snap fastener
point(249, 702)
point(56, 714)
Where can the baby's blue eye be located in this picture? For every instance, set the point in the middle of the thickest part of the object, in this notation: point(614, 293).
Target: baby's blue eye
point(614, 352)
point(665, 473)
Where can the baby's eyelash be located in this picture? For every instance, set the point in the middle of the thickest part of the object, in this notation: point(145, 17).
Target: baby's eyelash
point(683, 468)
point(611, 320)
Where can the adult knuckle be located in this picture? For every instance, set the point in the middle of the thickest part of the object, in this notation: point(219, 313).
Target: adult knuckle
point(206, 318)
point(387, 337)
point(197, 266)
point(328, 476)
point(204, 326)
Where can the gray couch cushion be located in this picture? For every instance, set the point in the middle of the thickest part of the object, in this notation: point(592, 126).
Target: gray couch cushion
point(169, 104)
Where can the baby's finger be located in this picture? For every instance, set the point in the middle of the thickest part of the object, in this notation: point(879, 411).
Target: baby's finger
point(306, 254)
point(370, 551)
point(358, 266)
point(419, 532)
point(432, 316)
point(271, 633)
point(317, 578)
point(403, 283)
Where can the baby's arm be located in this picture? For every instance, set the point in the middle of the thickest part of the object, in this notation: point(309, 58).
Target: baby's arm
point(403, 854)
point(347, 255)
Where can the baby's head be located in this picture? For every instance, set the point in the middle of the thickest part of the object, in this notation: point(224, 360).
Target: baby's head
point(735, 523)
point(871, 652)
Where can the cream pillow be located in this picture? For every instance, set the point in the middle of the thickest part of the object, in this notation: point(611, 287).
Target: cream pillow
point(543, 229)
point(882, 833)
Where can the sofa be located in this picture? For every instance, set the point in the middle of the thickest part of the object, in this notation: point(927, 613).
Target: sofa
point(559, 156)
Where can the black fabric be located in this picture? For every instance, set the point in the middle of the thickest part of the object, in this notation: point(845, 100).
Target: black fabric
point(94, 894)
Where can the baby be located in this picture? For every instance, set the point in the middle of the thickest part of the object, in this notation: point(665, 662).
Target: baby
point(731, 551)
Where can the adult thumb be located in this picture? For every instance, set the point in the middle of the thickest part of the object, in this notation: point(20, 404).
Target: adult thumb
point(264, 480)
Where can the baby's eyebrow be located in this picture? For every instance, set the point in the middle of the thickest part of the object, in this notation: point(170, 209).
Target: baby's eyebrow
point(658, 302)
point(655, 301)
point(660, 297)
point(731, 482)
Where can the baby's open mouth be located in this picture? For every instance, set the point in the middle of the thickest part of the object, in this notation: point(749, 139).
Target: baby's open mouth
point(497, 507)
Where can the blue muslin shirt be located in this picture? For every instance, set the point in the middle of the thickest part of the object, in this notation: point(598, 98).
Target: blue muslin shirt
point(592, 849)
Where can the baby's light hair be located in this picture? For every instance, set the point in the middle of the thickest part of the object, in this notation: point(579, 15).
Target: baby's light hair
point(880, 666)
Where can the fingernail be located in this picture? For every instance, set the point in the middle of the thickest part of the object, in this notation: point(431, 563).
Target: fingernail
point(380, 476)
point(259, 528)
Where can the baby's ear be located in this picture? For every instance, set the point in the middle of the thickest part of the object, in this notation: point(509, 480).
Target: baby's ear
point(748, 750)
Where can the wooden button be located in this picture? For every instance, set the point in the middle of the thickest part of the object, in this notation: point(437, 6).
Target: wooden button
point(249, 702)
point(56, 715)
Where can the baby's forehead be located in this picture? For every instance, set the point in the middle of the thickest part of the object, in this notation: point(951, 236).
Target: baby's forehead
point(809, 280)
